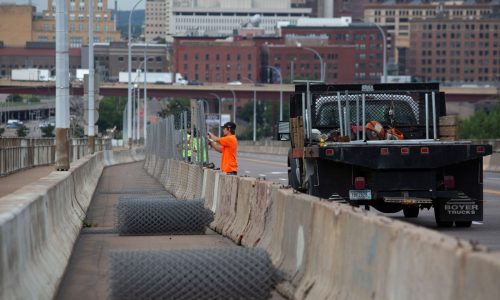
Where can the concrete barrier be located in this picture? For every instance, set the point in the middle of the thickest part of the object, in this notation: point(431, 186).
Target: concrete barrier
point(258, 214)
point(492, 163)
point(247, 190)
point(40, 223)
point(210, 187)
point(195, 178)
point(181, 179)
point(226, 205)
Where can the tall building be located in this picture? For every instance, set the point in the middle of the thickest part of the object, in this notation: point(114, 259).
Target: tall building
point(395, 18)
point(455, 51)
point(157, 19)
point(16, 24)
point(78, 11)
point(215, 17)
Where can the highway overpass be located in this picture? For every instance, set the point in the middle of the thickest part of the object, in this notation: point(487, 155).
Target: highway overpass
point(246, 90)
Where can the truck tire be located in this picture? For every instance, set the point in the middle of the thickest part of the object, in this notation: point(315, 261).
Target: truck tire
point(411, 211)
point(463, 223)
point(439, 222)
point(293, 181)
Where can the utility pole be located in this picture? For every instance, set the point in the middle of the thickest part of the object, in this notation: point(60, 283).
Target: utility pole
point(91, 111)
point(62, 87)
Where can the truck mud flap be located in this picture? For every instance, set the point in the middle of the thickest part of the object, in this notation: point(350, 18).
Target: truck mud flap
point(460, 210)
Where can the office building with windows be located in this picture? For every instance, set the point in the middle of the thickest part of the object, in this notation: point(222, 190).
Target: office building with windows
point(78, 11)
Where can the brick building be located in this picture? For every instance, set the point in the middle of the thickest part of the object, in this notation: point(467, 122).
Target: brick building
point(112, 58)
point(216, 60)
point(395, 18)
point(36, 57)
point(455, 50)
point(352, 53)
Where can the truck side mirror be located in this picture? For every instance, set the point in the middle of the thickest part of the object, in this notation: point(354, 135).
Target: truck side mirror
point(283, 131)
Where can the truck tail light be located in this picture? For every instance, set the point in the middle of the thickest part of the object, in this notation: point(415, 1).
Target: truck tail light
point(424, 150)
point(405, 151)
point(384, 151)
point(449, 182)
point(329, 152)
point(359, 183)
point(480, 149)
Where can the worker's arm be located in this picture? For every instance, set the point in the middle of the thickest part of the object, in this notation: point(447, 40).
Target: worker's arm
point(213, 141)
point(213, 137)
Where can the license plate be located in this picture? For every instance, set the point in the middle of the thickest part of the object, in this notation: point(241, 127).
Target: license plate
point(360, 194)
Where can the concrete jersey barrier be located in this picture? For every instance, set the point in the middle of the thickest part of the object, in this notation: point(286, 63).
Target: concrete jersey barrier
point(40, 224)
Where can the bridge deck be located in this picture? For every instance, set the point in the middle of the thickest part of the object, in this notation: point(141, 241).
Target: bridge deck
point(86, 276)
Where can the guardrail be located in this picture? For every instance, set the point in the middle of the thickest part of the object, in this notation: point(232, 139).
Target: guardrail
point(17, 154)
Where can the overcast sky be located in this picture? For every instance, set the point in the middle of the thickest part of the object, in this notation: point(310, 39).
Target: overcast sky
point(42, 4)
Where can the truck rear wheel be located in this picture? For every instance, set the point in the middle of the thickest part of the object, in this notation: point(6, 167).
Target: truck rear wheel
point(411, 211)
point(439, 221)
point(293, 180)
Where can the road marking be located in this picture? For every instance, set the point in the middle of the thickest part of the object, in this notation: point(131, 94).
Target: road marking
point(248, 172)
point(488, 191)
point(477, 223)
point(284, 179)
point(262, 175)
point(264, 161)
point(277, 173)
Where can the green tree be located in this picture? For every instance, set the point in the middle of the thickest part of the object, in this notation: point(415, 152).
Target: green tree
point(22, 131)
point(175, 105)
point(48, 131)
point(14, 98)
point(111, 113)
point(482, 125)
point(33, 99)
point(267, 119)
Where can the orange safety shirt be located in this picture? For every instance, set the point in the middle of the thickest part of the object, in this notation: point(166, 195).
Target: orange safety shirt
point(229, 148)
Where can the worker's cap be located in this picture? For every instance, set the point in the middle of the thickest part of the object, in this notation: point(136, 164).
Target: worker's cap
point(229, 125)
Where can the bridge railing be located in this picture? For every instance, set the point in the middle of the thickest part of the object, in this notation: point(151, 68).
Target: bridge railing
point(17, 153)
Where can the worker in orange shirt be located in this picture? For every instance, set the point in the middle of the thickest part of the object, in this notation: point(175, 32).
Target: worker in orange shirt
point(228, 146)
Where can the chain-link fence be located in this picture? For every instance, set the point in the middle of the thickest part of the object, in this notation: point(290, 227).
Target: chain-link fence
point(229, 273)
point(180, 136)
point(161, 215)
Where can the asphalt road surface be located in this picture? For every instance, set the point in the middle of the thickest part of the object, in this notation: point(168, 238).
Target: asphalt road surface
point(274, 168)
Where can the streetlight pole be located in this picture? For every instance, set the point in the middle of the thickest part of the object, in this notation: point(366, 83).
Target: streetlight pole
point(145, 106)
point(220, 108)
point(281, 90)
point(384, 70)
point(234, 105)
point(129, 101)
point(322, 65)
point(254, 109)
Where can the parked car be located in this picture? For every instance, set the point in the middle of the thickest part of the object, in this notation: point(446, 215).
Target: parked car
point(13, 124)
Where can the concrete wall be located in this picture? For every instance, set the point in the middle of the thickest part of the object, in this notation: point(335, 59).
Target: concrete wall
point(40, 223)
point(326, 250)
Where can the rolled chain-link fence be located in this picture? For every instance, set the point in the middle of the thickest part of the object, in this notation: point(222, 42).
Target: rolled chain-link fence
point(159, 215)
point(228, 273)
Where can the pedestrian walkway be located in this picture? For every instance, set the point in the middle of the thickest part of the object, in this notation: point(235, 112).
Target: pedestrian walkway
point(87, 275)
point(15, 181)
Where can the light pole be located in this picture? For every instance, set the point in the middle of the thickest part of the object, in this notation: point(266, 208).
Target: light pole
point(322, 65)
point(129, 101)
point(145, 106)
point(234, 105)
point(281, 90)
point(254, 110)
point(91, 95)
point(384, 70)
point(220, 108)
